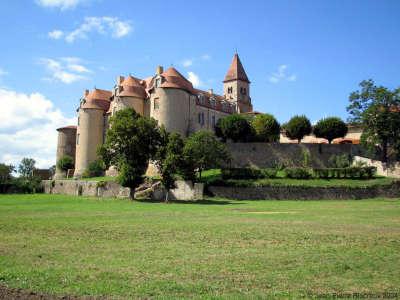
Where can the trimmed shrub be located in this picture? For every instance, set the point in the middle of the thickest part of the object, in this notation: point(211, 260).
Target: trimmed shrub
point(330, 128)
point(266, 127)
point(297, 128)
point(350, 172)
point(234, 127)
point(297, 173)
point(340, 161)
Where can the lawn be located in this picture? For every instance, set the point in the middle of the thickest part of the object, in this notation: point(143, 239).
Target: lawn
point(214, 248)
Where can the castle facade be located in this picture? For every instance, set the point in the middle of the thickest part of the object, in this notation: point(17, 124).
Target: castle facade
point(167, 96)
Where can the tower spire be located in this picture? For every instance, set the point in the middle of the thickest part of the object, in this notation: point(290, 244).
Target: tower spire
point(236, 71)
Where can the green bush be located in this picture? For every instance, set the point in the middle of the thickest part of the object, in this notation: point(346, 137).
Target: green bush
point(95, 169)
point(349, 172)
point(340, 161)
point(248, 173)
point(266, 127)
point(297, 173)
point(297, 128)
point(234, 127)
point(27, 185)
point(65, 163)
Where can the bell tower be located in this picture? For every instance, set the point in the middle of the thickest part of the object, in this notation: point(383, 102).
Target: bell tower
point(237, 86)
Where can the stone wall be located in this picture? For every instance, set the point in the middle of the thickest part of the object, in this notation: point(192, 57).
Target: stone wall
point(266, 155)
point(184, 190)
point(304, 193)
point(382, 169)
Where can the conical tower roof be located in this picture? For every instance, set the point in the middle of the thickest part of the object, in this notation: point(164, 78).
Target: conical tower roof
point(236, 71)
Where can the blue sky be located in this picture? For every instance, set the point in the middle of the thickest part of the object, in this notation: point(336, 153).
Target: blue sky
point(302, 57)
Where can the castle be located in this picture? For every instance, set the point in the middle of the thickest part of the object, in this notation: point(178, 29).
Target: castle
point(167, 96)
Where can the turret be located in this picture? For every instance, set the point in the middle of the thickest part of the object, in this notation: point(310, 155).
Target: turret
point(237, 86)
point(91, 130)
point(65, 146)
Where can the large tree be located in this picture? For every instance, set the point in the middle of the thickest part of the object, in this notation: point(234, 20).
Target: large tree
point(169, 159)
point(234, 127)
point(377, 109)
point(297, 128)
point(6, 173)
point(131, 141)
point(26, 167)
point(203, 151)
point(330, 128)
point(266, 127)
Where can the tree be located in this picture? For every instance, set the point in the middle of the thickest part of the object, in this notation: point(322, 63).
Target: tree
point(234, 127)
point(95, 168)
point(131, 141)
point(169, 159)
point(377, 109)
point(65, 163)
point(297, 128)
point(266, 127)
point(26, 167)
point(203, 151)
point(330, 128)
point(6, 173)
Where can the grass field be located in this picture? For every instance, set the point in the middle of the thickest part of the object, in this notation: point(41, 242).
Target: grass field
point(215, 248)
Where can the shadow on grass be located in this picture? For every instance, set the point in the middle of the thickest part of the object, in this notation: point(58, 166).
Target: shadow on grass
point(198, 202)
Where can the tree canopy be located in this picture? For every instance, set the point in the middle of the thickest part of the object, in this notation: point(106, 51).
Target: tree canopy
point(131, 141)
point(330, 128)
point(234, 127)
point(26, 167)
point(266, 127)
point(298, 127)
point(203, 151)
point(65, 163)
point(377, 109)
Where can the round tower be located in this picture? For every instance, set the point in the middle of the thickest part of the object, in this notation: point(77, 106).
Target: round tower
point(91, 128)
point(65, 146)
point(170, 101)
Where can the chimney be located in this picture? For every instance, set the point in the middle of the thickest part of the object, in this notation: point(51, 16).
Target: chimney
point(210, 91)
point(120, 79)
point(159, 70)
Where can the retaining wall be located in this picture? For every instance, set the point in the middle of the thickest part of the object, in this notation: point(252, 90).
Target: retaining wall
point(184, 190)
point(305, 193)
point(267, 155)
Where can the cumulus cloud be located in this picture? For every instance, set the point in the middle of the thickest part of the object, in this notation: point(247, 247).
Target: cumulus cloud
point(28, 128)
point(109, 26)
point(194, 79)
point(55, 34)
point(61, 4)
point(282, 75)
point(66, 69)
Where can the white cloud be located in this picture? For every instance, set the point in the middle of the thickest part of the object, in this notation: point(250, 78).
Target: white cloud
point(28, 128)
point(66, 70)
point(55, 34)
point(187, 63)
point(110, 26)
point(62, 4)
point(194, 79)
point(282, 75)
point(205, 57)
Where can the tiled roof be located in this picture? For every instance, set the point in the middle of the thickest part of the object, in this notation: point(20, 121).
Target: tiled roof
point(97, 99)
point(236, 71)
point(174, 79)
point(131, 87)
point(67, 127)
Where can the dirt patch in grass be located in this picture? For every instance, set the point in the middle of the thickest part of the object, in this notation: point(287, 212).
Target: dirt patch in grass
point(7, 293)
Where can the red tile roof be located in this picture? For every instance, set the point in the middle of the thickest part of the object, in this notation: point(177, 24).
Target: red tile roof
point(174, 79)
point(67, 127)
point(131, 87)
point(97, 99)
point(236, 71)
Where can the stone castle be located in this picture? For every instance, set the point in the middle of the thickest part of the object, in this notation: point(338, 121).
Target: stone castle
point(169, 98)
point(166, 96)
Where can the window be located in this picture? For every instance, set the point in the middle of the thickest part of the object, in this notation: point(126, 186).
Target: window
point(243, 91)
point(78, 120)
point(77, 139)
point(213, 121)
point(158, 82)
point(156, 104)
point(230, 90)
point(201, 119)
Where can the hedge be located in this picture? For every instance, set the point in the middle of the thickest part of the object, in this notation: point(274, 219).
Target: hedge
point(350, 172)
point(248, 173)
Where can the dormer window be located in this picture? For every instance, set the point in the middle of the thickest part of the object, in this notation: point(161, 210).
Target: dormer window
point(158, 82)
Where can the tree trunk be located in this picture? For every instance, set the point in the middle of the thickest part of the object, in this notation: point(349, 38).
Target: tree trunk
point(384, 151)
point(167, 196)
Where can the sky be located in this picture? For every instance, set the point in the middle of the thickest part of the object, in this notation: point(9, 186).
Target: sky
point(302, 57)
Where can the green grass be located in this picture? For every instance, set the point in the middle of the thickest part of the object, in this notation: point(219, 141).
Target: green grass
point(214, 177)
point(214, 248)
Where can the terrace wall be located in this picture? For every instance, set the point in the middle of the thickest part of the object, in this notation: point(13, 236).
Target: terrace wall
point(267, 155)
